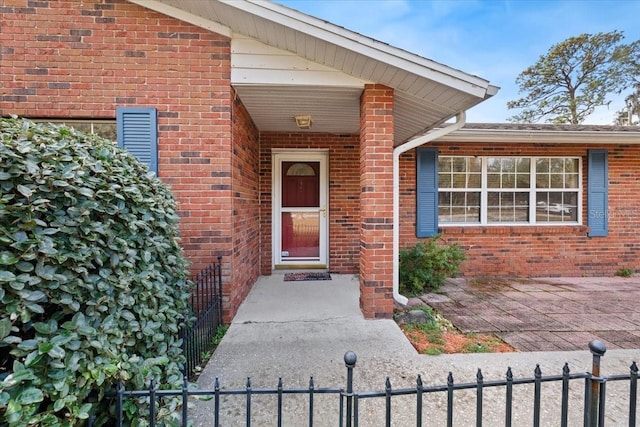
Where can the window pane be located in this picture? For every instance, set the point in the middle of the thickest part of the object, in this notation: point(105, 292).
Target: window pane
point(570, 201)
point(444, 198)
point(493, 164)
point(508, 180)
point(298, 188)
point(571, 165)
point(493, 180)
point(557, 207)
point(506, 199)
point(493, 214)
point(80, 126)
point(300, 234)
point(445, 180)
point(458, 207)
point(508, 164)
point(475, 164)
point(524, 165)
point(556, 181)
point(105, 130)
point(571, 180)
point(459, 164)
point(475, 180)
point(459, 180)
point(524, 181)
point(542, 166)
point(444, 164)
point(521, 212)
point(556, 165)
point(542, 180)
point(508, 207)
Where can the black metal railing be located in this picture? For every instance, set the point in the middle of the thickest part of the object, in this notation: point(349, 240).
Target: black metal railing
point(206, 305)
point(593, 406)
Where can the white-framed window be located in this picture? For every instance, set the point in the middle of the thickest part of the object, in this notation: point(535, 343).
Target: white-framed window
point(103, 128)
point(509, 190)
point(135, 129)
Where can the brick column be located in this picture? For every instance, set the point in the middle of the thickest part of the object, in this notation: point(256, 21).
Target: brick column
point(376, 201)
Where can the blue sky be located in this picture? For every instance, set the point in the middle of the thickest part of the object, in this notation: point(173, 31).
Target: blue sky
point(493, 39)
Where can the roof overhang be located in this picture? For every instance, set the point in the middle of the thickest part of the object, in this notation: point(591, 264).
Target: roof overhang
point(427, 93)
point(544, 133)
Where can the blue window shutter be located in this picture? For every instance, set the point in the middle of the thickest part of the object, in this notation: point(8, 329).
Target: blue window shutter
point(426, 192)
point(597, 193)
point(138, 133)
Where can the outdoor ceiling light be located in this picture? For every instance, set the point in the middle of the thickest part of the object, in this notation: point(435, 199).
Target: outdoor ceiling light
point(303, 122)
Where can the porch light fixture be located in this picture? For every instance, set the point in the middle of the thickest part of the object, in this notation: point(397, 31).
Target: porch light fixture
point(303, 122)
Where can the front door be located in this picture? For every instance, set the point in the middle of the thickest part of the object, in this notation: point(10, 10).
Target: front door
point(300, 210)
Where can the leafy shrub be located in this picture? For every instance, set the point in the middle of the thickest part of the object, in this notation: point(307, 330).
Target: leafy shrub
point(624, 272)
point(427, 264)
point(93, 282)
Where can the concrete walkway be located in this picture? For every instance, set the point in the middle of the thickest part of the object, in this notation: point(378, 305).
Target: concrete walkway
point(298, 330)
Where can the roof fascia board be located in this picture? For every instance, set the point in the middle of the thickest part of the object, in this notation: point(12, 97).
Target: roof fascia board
point(182, 15)
point(367, 46)
point(492, 90)
point(532, 137)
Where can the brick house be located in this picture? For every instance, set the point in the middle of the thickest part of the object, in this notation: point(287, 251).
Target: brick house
point(531, 200)
point(293, 143)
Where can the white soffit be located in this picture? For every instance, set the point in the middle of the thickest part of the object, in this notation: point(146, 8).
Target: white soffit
point(333, 110)
point(271, 80)
point(253, 62)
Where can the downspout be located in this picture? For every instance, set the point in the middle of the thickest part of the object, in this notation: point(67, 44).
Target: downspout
point(461, 119)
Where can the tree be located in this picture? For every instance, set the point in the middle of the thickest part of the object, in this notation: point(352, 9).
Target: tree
point(574, 77)
point(630, 114)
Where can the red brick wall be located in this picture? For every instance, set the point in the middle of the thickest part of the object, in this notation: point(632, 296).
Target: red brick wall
point(73, 59)
point(376, 201)
point(543, 250)
point(344, 191)
point(245, 256)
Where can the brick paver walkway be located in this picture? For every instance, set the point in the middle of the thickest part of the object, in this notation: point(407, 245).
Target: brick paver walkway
point(545, 314)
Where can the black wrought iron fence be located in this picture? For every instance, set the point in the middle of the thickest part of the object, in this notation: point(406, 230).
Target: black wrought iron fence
point(206, 303)
point(349, 401)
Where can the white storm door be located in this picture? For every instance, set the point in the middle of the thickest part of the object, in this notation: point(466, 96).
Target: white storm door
point(300, 225)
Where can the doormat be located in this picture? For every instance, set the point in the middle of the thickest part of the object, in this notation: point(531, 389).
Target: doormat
point(297, 277)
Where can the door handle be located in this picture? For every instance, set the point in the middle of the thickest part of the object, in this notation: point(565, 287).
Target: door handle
point(324, 211)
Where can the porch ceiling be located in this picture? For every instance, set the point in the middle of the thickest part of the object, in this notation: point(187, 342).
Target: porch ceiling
point(426, 93)
point(272, 108)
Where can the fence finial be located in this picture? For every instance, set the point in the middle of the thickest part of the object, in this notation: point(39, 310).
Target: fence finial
point(597, 348)
point(350, 359)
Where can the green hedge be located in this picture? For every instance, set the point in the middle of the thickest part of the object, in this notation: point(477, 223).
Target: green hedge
point(94, 282)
